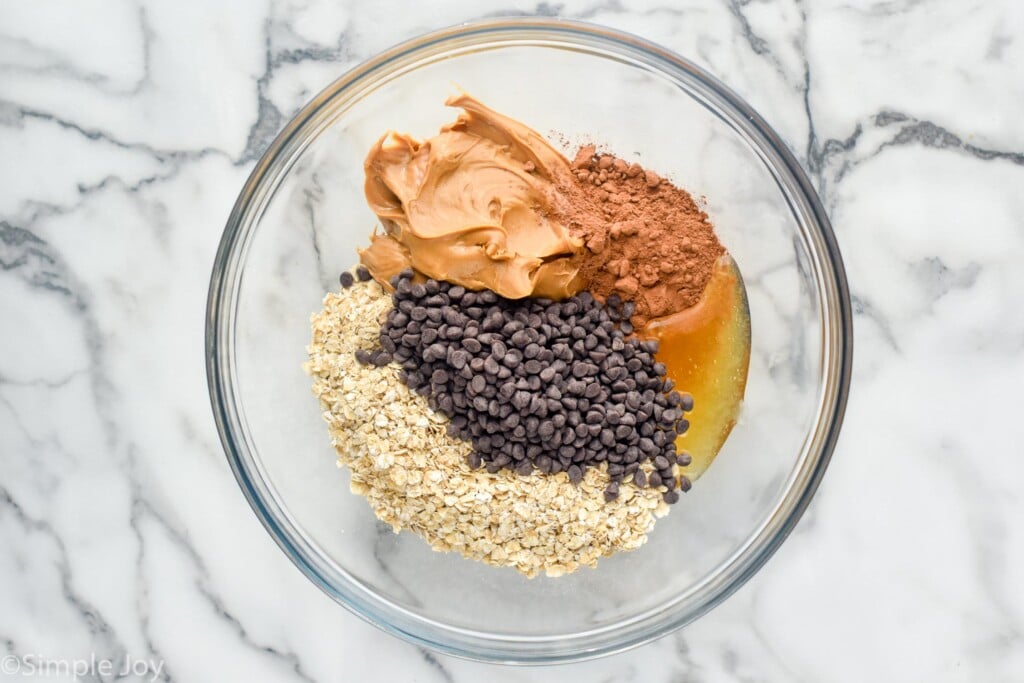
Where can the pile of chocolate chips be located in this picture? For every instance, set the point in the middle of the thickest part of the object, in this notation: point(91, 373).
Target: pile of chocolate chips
point(536, 383)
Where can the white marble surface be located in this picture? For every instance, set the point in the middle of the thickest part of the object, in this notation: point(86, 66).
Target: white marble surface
point(126, 130)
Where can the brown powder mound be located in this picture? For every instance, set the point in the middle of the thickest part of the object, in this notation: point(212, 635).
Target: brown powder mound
point(646, 239)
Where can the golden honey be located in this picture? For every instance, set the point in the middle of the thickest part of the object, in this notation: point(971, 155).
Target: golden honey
point(706, 351)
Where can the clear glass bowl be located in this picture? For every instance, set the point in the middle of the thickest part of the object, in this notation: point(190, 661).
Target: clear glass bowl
point(298, 221)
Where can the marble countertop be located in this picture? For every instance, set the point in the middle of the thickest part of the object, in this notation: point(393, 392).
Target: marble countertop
point(126, 130)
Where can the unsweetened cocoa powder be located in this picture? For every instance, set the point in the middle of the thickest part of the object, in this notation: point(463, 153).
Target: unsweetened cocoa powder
point(648, 241)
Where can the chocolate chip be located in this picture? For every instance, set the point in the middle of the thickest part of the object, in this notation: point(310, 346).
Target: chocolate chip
point(459, 359)
point(533, 382)
point(611, 492)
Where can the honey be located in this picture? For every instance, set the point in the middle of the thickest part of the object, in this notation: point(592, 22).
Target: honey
point(706, 351)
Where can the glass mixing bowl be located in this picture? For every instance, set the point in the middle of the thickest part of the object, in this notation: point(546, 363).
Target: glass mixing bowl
point(297, 224)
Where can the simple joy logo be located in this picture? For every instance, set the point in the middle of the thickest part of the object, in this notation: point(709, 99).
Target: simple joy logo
point(32, 665)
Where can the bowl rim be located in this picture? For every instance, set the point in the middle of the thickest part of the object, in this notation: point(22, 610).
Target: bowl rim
point(503, 648)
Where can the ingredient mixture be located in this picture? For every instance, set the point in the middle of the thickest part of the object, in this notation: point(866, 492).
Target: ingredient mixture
point(417, 476)
point(535, 383)
point(499, 375)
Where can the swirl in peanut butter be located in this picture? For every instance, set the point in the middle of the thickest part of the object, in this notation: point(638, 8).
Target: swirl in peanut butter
point(474, 205)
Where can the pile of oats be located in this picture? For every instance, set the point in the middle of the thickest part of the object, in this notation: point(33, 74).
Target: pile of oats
point(415, 475)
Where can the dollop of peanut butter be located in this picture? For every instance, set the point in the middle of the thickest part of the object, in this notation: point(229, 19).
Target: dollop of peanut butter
point(473, 205)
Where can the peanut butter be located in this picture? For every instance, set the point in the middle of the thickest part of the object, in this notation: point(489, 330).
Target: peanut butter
point(473, 205)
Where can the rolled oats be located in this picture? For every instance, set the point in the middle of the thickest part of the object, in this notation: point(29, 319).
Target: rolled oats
point(415, 475)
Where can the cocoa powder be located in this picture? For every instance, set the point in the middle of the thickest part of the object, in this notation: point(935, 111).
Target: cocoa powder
point(646, 239)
